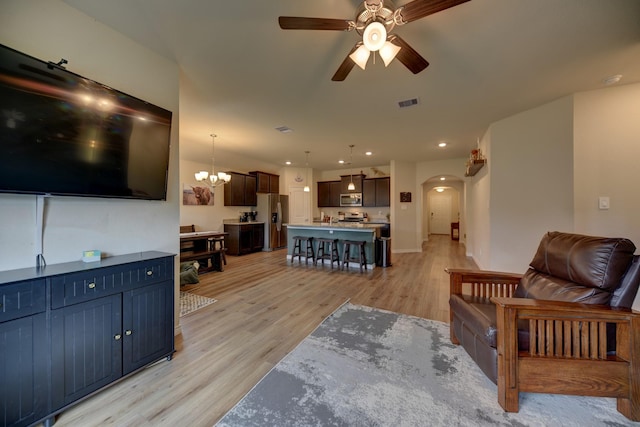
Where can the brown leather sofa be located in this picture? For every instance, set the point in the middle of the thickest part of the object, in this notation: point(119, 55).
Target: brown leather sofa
point(565, 326)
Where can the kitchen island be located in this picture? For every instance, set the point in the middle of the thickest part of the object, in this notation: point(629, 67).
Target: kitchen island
point(341, 231)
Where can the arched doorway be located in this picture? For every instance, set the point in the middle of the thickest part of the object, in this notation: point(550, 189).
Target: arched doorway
point(443, 204)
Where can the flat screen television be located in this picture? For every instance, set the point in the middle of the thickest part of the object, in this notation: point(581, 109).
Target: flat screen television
point(64, 134)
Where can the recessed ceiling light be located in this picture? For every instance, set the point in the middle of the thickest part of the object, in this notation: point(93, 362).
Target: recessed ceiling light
point(442, 178)
point(341, 161)
point(287, 162)
point(368, 153)
point(284, 129)
point(611, 80)
point(442, 144)
point(439, 189)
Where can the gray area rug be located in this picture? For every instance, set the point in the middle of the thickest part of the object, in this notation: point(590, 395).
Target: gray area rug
point(369, 367)
point(191, 302)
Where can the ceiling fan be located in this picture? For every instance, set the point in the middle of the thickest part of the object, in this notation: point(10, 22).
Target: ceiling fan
point(374, 21)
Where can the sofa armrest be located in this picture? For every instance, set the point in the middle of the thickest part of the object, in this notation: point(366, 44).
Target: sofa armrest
point(481, 283)
point(568, 351)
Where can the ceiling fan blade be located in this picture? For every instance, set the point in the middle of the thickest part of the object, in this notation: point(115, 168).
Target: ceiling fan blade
point(420, 8)
point(408, 56)
point(345, 68)
point(298, 23)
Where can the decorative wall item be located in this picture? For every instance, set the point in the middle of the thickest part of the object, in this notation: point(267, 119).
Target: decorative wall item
point(197, 195)
point(405, 196)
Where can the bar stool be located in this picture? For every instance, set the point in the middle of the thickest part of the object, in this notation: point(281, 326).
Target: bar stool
point(361, 258)
point(332, 255)
point(308, 249)
point(217, 243)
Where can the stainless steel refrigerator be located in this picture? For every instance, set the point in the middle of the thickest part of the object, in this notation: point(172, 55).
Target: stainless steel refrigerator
point(273, 209)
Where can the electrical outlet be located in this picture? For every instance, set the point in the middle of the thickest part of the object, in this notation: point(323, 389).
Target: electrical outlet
point(603, 202)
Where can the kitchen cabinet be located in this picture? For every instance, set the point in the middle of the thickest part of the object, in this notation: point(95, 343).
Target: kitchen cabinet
point(376, 192)
point(244, 238)
point(324, 194)
point(266, 182)
point(369, 193)
point(68, 330)
point(241, 190)
point(257, 238)
point(346, 180)
point(329, 193)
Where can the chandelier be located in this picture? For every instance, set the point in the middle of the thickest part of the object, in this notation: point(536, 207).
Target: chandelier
point(212, 179)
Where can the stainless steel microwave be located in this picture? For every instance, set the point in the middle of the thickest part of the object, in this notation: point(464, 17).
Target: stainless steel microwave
point(351, 199)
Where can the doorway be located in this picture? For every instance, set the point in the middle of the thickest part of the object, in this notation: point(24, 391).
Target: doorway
point(299, 206)
point(441, 205)
point(440, 213)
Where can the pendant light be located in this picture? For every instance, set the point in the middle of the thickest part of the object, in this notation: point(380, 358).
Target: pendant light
point(351, 186)
point(306, 181)
point(214, 179)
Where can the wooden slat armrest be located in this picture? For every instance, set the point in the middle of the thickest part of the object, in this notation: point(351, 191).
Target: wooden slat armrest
point(527, 307)
point(482, 275)
point(568, 351)
point(482, 283)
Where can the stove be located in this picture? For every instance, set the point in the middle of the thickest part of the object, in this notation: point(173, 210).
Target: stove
point(352, 216)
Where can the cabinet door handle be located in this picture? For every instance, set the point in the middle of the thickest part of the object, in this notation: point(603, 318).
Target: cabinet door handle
point(128, 332)
point(92, 285)
point(149, 272)
point(117, 337)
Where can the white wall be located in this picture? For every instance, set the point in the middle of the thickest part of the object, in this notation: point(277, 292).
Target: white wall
point(531, 178)
point(607, 155)
point(50, 30)
point(477, 209)
point(405, 220)
point(546, 169)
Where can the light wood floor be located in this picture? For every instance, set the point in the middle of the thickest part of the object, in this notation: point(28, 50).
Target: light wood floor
point(265, 308)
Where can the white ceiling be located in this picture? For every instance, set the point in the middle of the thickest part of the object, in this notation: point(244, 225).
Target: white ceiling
point(242, 76)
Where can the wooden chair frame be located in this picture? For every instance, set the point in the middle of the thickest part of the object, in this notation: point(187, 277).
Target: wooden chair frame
point(567, 344)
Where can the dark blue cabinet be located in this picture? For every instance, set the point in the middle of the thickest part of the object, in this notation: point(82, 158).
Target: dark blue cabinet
point(68, 330)
point(87, 348)
point(148, 325)
point(23, 370)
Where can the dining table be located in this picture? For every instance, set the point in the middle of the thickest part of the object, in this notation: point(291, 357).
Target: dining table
point(207, 247)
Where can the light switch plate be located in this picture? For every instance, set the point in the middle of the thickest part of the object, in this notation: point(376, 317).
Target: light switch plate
point(603, 202)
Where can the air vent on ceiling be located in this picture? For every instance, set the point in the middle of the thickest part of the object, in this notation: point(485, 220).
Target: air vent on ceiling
point(408, 103)
point(284, 129)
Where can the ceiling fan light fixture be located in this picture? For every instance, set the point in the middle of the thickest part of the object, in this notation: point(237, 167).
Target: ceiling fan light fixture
point(388, 52)
point(360, 56)
point(374, 36)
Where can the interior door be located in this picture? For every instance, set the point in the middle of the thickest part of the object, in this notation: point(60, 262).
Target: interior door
point(299, 206)
point(440, 220)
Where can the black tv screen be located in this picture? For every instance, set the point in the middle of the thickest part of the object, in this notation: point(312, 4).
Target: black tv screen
point(64, 134)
